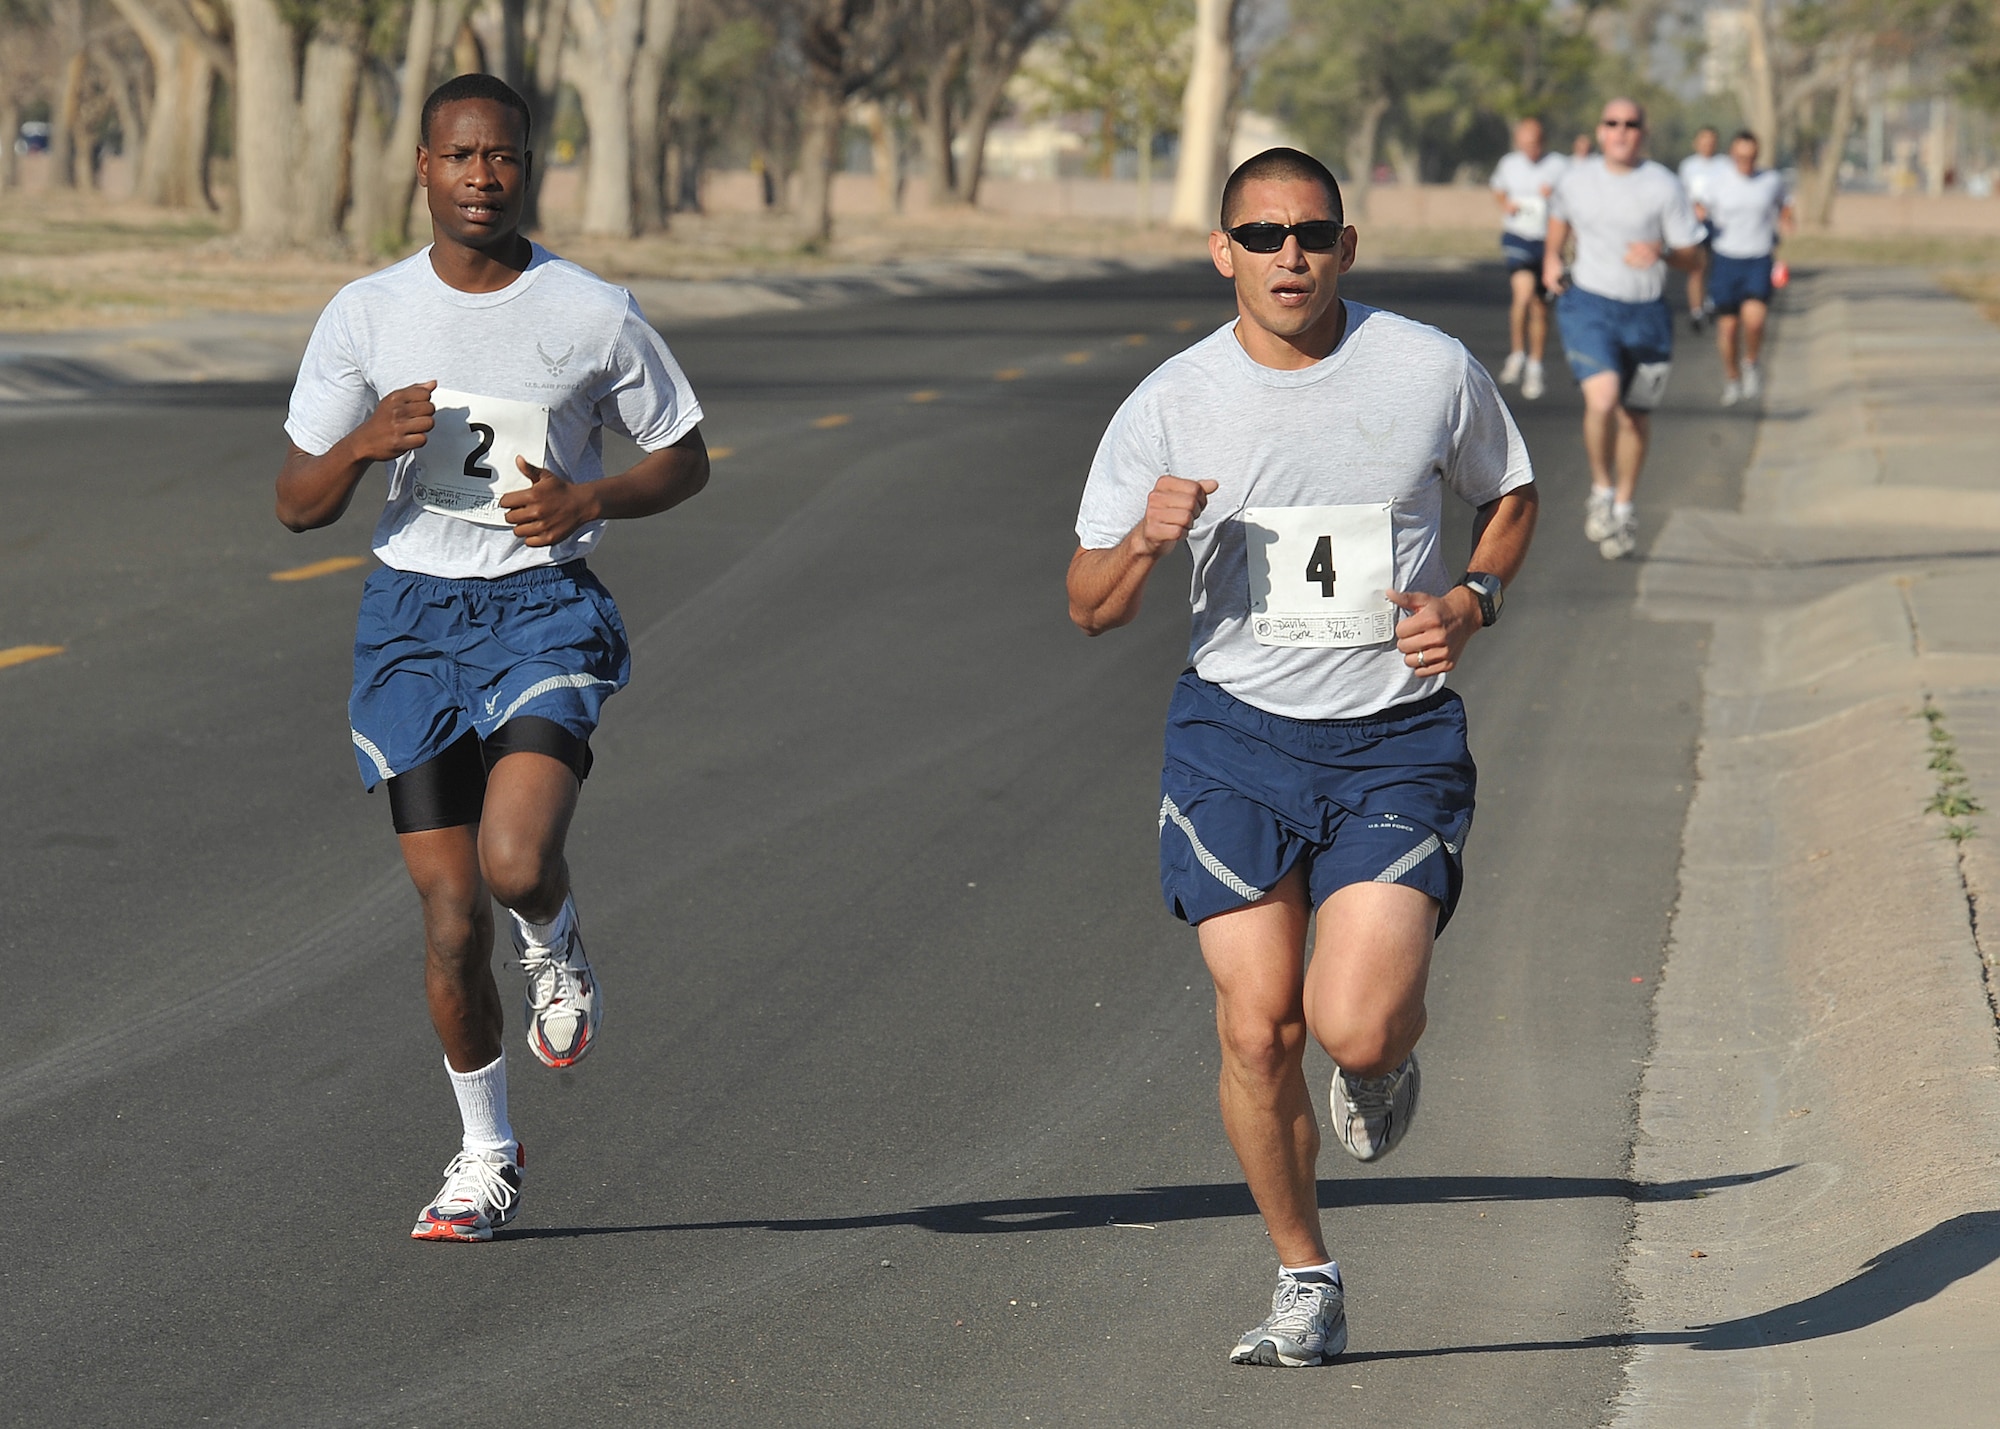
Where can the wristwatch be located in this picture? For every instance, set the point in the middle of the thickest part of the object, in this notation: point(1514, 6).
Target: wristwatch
point(1488, 590)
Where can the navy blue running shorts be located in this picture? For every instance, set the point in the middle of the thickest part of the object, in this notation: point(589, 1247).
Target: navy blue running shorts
point(1732, 282)
point(436, 658)
point(1246, 795)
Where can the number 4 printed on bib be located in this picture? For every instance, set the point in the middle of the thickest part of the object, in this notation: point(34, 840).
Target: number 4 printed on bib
point(1319, 574)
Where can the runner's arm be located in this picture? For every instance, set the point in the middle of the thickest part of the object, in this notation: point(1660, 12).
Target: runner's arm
point(313, 491)
point(1440, 626)
point(551, 510)
point(1105, 586)
point(1552, 254)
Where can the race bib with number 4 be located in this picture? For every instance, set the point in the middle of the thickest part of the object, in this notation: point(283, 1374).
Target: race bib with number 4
point(467, 463)
point(1318, 574)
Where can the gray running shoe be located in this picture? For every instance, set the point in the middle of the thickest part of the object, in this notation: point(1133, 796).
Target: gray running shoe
point(1533, 382)
point(563, 1005)
point(1598, 520)
point(1307, 1325)
point(1753, 382)
point(1623, 540)
point(1371, 1114)
point(1732, 392)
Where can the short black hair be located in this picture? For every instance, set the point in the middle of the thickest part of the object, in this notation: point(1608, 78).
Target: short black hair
point(474, 86)
point(1281, 165)
point(1709, 129)
point(1740, 135)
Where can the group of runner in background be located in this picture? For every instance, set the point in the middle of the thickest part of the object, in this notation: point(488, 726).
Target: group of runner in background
point(1631, 219)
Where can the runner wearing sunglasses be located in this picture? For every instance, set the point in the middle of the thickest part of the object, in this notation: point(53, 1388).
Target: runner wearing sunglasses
point(1631, 221)
point(483, 371)
point(1315, 759)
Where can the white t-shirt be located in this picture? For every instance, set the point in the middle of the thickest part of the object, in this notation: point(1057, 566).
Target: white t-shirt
point(1610, 211)
point(1394, 416)
point(1698, 173)
point(1744, 211)
point(557, 337)
point(1523, 180)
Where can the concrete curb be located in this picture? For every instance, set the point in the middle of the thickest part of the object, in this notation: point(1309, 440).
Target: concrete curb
point(1823, 1028)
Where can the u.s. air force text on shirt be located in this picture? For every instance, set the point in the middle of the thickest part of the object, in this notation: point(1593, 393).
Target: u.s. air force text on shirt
point(1395, 416)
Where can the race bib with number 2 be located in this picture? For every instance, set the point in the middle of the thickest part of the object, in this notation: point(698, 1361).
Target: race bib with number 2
point(467, 464)
point(1318, 574)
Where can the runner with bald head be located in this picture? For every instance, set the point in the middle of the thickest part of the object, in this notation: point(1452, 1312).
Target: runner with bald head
point(1631, 222)
point(1315, 762)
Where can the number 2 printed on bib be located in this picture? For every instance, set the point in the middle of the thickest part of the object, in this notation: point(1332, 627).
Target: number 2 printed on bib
point(466, 464)
point(1318, 574)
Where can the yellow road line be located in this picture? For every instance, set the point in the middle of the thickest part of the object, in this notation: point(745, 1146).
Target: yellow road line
point(1010, 374)
point(1183, 324)
point(22, 654)
point(831, 420)
point(927, 395)
point(320, 568)
point(1137, 339)
point(718, 453)
point(1076, 359)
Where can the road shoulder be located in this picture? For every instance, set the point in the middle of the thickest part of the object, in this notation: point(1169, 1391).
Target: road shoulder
point(1823, 1028)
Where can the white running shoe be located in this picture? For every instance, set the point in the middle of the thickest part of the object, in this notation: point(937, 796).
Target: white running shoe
point(1732, 393)
point(1511, 371)
point(1623, 540)
point(1533, 383)
point(482, 1191)
point(1307, 1325)
point(1371, 1114)
point(1753, 382)
point(563, 1005)
point(1599, 520)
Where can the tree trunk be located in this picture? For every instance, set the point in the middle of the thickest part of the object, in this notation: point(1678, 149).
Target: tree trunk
point(1361, 158)
point(124, 98)
point(267, 67)
point(607, 37)
point(367, 214)
point(1145, 176)
point(649, 118)
point(987, 92)
point(886, 153)
point(66, 114)
point(10, 123)
point(819, 155)
point(932, 101)
point(1822, 184)
point(1405, 162)
point(327, 94)
point(544, 26)
point(1204, 110)
point(1759, 93)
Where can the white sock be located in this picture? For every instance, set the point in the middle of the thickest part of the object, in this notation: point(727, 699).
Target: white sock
point(552, 933)
point(1517, 352)
point(1535, 363)
point(1622, 510)
point(482, 1105)
point(1331, 1270)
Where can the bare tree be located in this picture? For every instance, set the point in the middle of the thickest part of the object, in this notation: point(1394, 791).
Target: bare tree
point(660, 24)
point(186, 52)
point(1205, 114)
point(605, 35)
point(939, 32)
point(1002, 31)
point(848, 46)
point(69, 25)
point(387, 118)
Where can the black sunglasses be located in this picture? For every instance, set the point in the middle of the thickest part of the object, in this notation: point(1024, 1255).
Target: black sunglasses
point(1620, 124)
point(1315, 236)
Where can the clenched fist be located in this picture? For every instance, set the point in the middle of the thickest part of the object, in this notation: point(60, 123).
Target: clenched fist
point(1171, 510)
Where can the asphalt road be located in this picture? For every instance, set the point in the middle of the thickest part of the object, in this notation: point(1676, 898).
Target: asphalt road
point(904, 1109)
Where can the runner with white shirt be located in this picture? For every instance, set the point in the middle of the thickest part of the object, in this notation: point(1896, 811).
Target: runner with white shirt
point(1695, 172)
point(1631, 221)
point(1522, 183)
point(1747, 206)
point(483, 371)
point(1315, 759)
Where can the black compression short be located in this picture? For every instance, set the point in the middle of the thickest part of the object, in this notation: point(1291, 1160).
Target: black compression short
point(450, 790)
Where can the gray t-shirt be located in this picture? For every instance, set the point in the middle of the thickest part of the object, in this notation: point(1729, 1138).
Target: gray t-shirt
point(557, 337)
point(1525, 180)
point(1743, 210)
point(1611, 211)
point(1394, 416)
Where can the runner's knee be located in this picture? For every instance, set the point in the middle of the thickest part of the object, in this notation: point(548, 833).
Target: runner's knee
point(1370, 1044)
point(1259, 1046)
point(520, 868)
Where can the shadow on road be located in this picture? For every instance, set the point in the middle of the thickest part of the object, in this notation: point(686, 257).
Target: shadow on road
point(1902, 1276)
point(1153, 1205)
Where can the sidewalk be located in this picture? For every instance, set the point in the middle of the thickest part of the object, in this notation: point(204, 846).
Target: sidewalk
point(266, 347)
point(1824, 1027)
